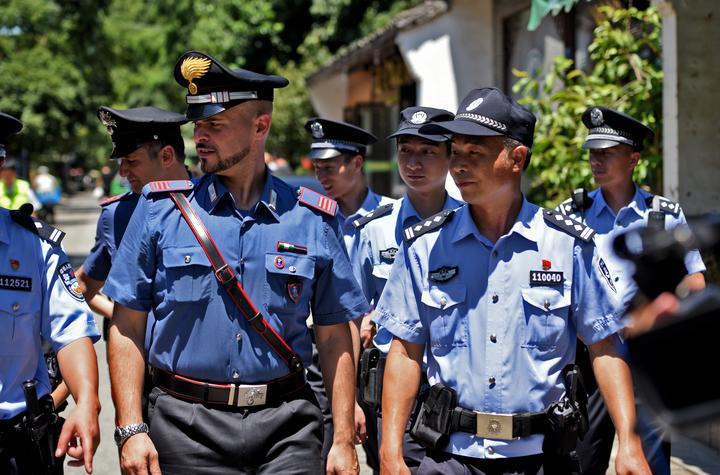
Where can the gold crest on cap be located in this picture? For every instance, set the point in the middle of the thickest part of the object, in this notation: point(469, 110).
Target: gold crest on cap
point(194, 68)
point(108, 121)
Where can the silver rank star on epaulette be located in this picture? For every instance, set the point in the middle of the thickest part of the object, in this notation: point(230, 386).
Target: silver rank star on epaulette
point(567, 207)
point(433, 222)
point(664, 205)
point(374, 214)
point(569, 225)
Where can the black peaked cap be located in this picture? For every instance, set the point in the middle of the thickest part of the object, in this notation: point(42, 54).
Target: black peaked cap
point(130, 129)
point(332, 138)
point(413, 118)
point(608, 128)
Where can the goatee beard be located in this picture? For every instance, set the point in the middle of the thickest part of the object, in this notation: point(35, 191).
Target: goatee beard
point(225, 163)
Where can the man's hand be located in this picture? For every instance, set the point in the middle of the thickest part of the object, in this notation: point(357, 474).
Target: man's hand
point(645, 318)
point(80, 434)
point(367, 331)
point(360, 425)
point(392, 462)
point(138, 456)
point(342, 460)
point(630, 459)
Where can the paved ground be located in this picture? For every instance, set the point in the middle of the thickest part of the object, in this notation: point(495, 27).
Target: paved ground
point(77, 217)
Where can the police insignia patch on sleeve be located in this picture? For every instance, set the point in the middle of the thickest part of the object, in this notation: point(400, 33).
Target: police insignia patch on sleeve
point(69, 281)
point(606, 273)
point(389, 254)
point(443, 274)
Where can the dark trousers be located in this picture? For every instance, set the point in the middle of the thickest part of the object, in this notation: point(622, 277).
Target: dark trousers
point(19, 455)
point(595, 448)
point(443, 463)
point(198, 439)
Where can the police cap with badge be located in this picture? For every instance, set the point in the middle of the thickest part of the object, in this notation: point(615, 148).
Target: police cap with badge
point(332, 138)
point(489, 112)
point(413, 118)
point(608, 128)
point(213, 87)
point(9, 125)
point(130, 129)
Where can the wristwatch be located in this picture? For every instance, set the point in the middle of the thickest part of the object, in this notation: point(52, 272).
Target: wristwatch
point(125, 432)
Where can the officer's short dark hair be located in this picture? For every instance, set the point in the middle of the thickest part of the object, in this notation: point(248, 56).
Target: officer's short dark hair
point(177, 144)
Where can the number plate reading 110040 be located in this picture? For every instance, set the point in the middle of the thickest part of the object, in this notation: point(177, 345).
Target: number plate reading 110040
point(545, 277)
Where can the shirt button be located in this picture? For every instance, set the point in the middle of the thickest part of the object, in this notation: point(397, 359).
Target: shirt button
point(238, 336)
point(494, 253)
point(15, 307)
point(292, 269)
point(491, 380)
point(188, 259)
point(495, 298)
point(235, 374)
point(493, 338)
point(546, 304)
point(490, 450)
point(443, 301)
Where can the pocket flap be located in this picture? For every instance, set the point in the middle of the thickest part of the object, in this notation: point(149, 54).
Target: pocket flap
point(185, 256)
point(444, 297)
point(546, 298)
point(290, 264)
point(382, 271)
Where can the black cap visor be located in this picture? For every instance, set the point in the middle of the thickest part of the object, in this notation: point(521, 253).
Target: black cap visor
point(123, 149)
point(415, 131)
point(459, 127)
point(325, 153)
point(203, 111)
point(599, 144)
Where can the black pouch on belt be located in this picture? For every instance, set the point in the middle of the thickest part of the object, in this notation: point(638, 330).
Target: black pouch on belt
point(432, 426)
point(372, 367)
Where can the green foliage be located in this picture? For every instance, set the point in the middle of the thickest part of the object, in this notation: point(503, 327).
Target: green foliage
point(61, 59)
point(626, 75)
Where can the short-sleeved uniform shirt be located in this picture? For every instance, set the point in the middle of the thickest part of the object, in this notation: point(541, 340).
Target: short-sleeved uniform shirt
point(39, 302)
point(349, 231)
point(198, 331)
point(111, 225)
point(609, 225)
point(498, 321)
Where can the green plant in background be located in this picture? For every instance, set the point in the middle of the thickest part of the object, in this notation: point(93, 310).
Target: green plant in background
point(625, 74)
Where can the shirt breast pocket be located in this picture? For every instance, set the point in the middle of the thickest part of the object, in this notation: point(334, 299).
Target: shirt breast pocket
point(288, 285)
point(382, 271)
point(447, 316)
point(546, 314)
point(190, 276)
point(19, 322)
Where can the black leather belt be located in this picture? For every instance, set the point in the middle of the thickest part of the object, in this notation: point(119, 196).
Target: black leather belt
point(498, 426)
point(238, 395)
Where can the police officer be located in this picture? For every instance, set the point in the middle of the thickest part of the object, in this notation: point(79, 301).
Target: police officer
point(615, 141)
point(495, 294)
point(148, 143)
point(15, 192)
point(423, 161)
point(39, 301)
point(230, 267)
point(338, 153)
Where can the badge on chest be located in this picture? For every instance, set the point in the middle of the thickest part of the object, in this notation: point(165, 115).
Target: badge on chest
point(11, 282)
point(388, 255)
point(546, 276)
point(443, 274)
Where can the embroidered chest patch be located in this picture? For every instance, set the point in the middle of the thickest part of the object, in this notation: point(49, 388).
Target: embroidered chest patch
point(443, 274)
point(388, 255)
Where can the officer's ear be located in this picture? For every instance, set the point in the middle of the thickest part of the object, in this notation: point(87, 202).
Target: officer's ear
point(167, 155)
point(358, 161)
point(518, 155)
point(634, 158)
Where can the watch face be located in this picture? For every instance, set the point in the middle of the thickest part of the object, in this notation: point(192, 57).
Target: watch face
point(118, 435)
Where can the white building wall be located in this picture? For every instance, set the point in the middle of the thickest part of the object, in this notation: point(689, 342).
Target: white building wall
point(328, 96)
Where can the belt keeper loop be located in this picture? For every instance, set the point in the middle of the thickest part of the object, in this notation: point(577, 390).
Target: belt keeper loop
point(256, 322)
point(206, 392)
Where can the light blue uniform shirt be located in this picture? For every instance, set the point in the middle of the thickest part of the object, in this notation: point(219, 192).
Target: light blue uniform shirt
point(198, 331)
point(489, 323)
point(608, 225)
point(39, 302)
point(350, 232)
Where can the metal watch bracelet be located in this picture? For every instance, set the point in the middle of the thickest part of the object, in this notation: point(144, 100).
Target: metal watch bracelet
point(125, 432)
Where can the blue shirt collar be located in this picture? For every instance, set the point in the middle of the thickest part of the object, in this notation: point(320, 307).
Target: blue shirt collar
point(637, 204)
point(4, 234)
point(525, 224)
point(216, 192)
point(407, 210)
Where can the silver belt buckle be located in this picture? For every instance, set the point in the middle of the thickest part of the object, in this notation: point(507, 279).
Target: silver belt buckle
point(247, 395)
point(494, 426)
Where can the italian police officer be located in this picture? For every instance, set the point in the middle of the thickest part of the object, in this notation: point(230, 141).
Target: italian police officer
point(494, 294)
point(40, 301)
point(615, 141)
point(148, 144)
point(230, 282)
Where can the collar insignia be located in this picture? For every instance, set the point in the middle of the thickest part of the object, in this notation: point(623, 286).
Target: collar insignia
point(418, 118)
point(443, 274)
point(316, 129)
point(194, 68)
point(596, 117)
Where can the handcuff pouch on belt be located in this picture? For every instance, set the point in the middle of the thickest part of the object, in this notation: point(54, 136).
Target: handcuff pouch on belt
point(432, 426)
point(372, 367)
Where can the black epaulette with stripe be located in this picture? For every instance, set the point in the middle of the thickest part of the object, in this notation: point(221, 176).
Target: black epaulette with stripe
point(374, 214)
point(427, 225)
point(569, 225)
point(46, 232)
point(666, 206)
